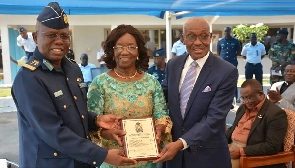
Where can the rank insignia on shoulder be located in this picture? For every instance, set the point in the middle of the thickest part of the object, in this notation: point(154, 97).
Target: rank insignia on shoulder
point(32, 65)
point(48, 64)
point(58, 93)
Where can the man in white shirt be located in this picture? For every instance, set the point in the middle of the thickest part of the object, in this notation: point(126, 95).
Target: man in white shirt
point(26, 41)
point(86, 69)
point(101, 56)
point(178, 47)
point(151, 46)
point(253, 52)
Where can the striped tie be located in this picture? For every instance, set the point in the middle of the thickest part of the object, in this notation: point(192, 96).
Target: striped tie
point(187, 86)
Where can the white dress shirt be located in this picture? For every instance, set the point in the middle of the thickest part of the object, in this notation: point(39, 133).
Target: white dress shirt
point(186, 67)
point(29, 43)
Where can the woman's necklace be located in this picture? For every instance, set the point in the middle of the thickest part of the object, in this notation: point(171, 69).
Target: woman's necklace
point(125, 77)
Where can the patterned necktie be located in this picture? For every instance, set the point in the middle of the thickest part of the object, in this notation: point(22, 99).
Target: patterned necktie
point(187, 86)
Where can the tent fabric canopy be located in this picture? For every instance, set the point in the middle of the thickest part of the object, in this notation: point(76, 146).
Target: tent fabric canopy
point(155, 7)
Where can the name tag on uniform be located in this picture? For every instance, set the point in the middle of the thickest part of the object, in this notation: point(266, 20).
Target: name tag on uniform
point(58, 93)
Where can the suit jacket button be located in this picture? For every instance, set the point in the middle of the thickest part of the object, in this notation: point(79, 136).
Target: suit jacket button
point(67, 79)
point(82, 116)
point(94, 162)
point(75, 98)
point(55, 154)
point(65, 106)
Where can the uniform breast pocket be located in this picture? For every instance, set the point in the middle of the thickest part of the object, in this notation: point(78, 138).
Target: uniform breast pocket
point(65, 109)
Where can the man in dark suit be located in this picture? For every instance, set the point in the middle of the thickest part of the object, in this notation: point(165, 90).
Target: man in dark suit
point(259, 127)
point(199, 88)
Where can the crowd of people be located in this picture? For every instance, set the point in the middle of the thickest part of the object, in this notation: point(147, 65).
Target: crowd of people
point(70, 119)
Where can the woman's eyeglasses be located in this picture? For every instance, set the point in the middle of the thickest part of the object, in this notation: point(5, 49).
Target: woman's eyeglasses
point(130, 48)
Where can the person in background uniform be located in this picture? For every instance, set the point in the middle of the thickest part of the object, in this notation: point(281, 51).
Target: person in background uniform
point(158, 69)
point(281, 54)
point(70, 54)
point(178, 47)
point(199, 88)
point(150, 45)
point(26, 41)
point(253, 52)
point(52, 111)
point(228, 48)
point(86, 70)
point(259, 127)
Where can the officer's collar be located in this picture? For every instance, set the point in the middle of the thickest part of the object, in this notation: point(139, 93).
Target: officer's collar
point(46, 64)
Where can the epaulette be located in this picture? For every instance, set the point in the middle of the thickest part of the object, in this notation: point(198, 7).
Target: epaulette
point(32, 64)
point(70, 60)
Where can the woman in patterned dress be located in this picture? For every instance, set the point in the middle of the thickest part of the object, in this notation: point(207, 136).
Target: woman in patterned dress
point(126, 90)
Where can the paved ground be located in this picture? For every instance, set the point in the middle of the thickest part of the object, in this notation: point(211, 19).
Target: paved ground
point(9, 136)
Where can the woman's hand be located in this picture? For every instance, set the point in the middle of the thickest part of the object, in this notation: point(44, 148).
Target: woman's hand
point(160, 130)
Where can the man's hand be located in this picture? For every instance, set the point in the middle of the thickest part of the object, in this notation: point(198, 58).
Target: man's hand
point(116, 158)
point(114, 134)
point(234, 152)
point(108, 121)
point(160, 130)
point(169, 151)
point(274, 95)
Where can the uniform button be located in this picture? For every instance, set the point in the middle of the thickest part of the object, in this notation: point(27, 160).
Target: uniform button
point(55, 154)
point(65, 106)
point(226, 52)
point(94, 162)
point(67, 79)
point(75, 98)
point(82, 116)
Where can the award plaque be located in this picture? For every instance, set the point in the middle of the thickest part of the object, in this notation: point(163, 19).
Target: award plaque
point(140, 139)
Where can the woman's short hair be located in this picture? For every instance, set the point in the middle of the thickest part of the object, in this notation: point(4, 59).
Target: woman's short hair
point(143, 59)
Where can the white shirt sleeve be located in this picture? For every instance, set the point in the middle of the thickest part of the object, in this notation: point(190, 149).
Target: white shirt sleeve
point(185, 146)
point(18, 41)
point(244, 51)
point(173, 48)
point(263, 52)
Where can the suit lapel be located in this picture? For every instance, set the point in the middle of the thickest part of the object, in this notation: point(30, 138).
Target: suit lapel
point(200, 81)
point(259, 116)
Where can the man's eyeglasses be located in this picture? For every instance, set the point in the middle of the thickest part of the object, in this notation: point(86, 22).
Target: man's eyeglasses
point(248, 98)
point(130, 48)
point(202, 37)
point(54, 36)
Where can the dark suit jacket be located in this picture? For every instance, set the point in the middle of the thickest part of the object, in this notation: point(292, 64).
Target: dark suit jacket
point(267, 133)
point(203, 125)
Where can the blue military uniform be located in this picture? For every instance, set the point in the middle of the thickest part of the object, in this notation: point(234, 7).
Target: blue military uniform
point(52, 113)
point(156, 71)
point(228, 49)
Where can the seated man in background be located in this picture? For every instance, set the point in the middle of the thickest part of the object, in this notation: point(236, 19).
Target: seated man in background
point(158, 69)
point(86, 70)
point(283, 93)
point(259, 127)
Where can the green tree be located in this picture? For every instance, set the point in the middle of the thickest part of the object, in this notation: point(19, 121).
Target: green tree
point(242, 32)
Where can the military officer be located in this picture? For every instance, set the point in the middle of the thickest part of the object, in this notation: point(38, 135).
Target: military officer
point(52, 113)
point(228, 48)
point(281, 54)
point(158, 69)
